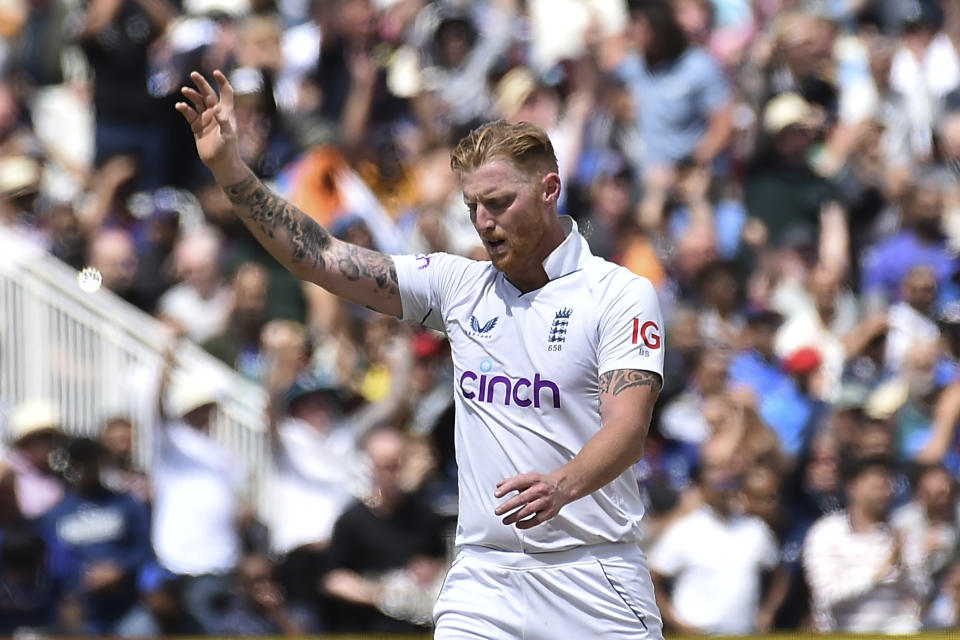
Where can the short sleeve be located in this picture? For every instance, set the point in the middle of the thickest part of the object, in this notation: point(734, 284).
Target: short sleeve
point(428, 281)
point(715, 92)
point(631, 326)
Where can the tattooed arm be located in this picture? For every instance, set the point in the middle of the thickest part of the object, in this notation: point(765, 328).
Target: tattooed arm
point(311, 253)
point(292, 237)
point(627, 397)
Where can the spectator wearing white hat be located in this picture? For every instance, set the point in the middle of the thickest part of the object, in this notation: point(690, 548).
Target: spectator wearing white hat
point(34, 433)
point(197, 487)
point(798, 207)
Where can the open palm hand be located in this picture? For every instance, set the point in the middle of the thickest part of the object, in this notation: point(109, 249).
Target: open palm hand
point(211, 119)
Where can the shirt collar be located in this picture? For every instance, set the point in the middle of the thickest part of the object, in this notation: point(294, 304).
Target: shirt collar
point(572, 253)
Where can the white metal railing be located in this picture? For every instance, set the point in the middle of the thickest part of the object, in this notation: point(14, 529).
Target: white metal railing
point(93, 356)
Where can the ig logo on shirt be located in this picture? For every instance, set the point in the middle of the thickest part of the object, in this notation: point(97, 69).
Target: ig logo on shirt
point(646, 334)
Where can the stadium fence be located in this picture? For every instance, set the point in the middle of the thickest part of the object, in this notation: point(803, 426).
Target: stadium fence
point(94, 356)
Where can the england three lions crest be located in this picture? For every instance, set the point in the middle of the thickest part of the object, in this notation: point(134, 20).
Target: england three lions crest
point(558, 328)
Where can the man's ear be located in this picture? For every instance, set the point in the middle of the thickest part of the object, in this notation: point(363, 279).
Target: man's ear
point(550, 188)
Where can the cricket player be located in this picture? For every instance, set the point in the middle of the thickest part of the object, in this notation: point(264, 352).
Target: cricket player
point(558, 360)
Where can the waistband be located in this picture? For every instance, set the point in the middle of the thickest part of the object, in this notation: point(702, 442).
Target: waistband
point(577, 555)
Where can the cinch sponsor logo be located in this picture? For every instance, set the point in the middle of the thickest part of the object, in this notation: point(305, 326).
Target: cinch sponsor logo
point(499, 389)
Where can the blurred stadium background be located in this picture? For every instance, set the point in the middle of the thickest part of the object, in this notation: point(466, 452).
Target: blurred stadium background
point(195, 443)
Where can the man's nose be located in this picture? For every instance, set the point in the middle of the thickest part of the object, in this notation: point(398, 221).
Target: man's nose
point(483, 218)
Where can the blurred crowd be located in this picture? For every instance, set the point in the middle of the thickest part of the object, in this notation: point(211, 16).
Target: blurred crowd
point(784, 171)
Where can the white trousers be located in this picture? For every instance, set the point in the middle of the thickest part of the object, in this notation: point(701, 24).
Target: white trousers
point(601, 591)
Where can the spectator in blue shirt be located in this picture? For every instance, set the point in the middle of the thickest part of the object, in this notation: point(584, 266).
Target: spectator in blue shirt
point(920, 241)
point(98, 539)
point(683, 100)
point(757, 367)
point(792, 409)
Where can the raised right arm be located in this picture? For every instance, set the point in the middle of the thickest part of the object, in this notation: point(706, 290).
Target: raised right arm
point(308, 250)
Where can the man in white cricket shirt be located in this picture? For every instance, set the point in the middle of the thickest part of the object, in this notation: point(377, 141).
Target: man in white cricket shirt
point(558, 359)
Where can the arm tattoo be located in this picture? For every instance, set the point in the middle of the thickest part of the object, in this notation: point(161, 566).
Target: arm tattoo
point(356, 262)
point(269, 213)
point(616, 382)
point(309, 241)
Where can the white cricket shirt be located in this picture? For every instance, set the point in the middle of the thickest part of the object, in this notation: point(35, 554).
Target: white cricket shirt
point(197, 486)
point(717, 565)
point(315, 477)
point(526, 373)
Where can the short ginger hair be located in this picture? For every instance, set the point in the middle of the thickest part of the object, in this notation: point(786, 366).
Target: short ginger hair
point(526, 145)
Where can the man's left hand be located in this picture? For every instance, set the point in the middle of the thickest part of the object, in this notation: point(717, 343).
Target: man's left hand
point(540, 498)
